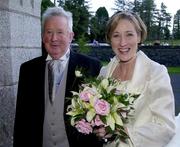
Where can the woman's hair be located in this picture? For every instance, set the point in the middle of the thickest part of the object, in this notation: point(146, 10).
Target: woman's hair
point(57, 11)
point(127, 15)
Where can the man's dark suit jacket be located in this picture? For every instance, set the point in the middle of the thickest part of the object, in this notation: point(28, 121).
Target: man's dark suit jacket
point(28, 127)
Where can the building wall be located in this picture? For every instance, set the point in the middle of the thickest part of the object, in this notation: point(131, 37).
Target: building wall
point(20, 40)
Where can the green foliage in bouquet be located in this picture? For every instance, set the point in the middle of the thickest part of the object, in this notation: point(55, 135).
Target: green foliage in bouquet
point(102, 102)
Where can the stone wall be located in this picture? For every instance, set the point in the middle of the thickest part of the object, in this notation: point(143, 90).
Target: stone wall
point(167, 55)
point(20, 40)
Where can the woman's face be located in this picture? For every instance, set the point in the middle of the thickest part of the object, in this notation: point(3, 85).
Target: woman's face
point(124, 40)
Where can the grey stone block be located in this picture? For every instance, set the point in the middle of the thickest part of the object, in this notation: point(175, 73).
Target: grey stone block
point(5, 67)
point(4, 3)
point(4, 28)
point(20, 55)
point(20, 40)
point(25, 31)
point(7, 110)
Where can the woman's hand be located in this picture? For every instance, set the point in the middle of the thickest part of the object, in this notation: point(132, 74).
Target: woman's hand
point(101, 134)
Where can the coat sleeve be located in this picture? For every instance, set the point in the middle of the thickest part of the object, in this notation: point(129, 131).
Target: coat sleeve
point(155, 124)
point(20, 106)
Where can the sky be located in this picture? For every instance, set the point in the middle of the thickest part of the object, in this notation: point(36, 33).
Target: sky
point(172, 5)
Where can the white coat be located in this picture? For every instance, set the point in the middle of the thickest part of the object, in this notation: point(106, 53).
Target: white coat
point(153, 124)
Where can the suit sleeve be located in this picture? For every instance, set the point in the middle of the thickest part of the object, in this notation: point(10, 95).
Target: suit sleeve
point(20, 106)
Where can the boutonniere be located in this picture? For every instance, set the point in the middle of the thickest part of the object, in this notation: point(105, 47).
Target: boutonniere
point(79, 75)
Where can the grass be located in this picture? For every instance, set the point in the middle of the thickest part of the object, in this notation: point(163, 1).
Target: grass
point(173, 70)
point(172, 42)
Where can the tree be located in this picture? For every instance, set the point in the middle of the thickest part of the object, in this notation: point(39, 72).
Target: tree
point(166, 20)
point(147, 15)
point(45, 4)
point(156, 20)
point(98, 24)
point(176, 25)
point(60, 2)
point(120, 5)
point(81, 15)
point(136, 6)
point(162, 19)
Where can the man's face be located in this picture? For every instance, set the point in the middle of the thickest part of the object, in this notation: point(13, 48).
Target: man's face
point(57, 36)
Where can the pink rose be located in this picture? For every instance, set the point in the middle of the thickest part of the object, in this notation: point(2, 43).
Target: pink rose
point(85, 95)
point(102, 107)
point(84, 127)
point(98, 121)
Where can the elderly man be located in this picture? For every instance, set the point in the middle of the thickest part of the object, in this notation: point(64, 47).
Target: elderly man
point(45, 82)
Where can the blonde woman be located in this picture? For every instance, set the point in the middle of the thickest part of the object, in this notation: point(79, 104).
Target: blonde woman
point(153, 124)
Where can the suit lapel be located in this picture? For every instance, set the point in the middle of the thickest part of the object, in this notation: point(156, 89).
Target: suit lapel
point(70, 74)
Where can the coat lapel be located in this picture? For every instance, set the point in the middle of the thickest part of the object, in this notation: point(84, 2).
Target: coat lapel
point(142, 63)
point(70, 74)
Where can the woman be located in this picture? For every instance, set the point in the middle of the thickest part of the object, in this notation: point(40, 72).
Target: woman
point(153, 124)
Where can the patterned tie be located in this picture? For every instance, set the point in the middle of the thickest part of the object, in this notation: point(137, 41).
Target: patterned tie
point(52, 66)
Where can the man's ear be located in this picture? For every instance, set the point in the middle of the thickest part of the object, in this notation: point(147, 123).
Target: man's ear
point(71, 36)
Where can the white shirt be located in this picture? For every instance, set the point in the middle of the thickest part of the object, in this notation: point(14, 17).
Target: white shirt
point(64, 59)
point(62, 62)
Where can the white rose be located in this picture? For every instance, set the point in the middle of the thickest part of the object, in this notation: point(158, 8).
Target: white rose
point(105, 83)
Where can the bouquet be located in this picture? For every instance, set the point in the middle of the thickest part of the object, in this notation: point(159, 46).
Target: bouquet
point(101, 102)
